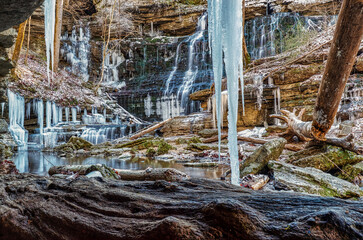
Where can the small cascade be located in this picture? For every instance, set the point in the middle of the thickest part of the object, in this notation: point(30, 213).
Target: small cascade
point(104, 133)
point(76, 50)
point(16, 117)
point(66, 110)
point(196, 59)
point(191, 74)
point(148, 106)
point(168, 107)
point(352, 101)
point(111, 64)
point(267, 36)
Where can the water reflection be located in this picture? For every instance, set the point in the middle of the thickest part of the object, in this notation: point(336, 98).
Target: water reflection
point(39, 163)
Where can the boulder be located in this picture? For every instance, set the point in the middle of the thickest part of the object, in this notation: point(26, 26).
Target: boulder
point(258, 160)
point(312, 181)
point(5, 151)
point(325, 158)
point(207, 133)
point(4, 127)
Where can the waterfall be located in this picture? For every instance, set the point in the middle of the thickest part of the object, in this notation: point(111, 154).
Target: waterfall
point(266, 36)
point(49, 20)
point(16, 117)
point(76, 50)
point(103, 133)
point(67, 114)
point(175, 101)
point(225, 29)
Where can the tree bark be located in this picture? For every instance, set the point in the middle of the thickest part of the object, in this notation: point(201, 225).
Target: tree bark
point(57, 33)
point(34, 207)
point(343, 51)
point(28, 42)
point(19, 42)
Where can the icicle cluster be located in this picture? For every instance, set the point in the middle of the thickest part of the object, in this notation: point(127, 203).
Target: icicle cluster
point(49, 20)
point(225, 36)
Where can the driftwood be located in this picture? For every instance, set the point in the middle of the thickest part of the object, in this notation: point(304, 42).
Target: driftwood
point(296, 127)
point(35, 207)
point(150, 129)
point(214, 139)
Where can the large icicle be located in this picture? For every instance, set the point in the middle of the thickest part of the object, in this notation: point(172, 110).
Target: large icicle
point(225, 29)
point(16, 117)
point(49, 24)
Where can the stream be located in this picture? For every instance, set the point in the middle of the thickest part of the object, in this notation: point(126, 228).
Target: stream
point(39, 163)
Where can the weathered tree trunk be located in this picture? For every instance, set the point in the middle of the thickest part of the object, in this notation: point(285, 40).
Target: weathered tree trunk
point(28, 42)
point(19, 42)
point(57, 33)
point(343, 51)
point(35, 207)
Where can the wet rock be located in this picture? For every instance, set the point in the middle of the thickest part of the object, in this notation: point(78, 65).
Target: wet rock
point(4, 127)
point(345, 128)
point(200, 147)
point(258, 160)
point(125, 156)
point(325, 158)
point(207, 133)
point(312, 181)
point(5, 151)
point(74, 144)
point(94, 174)
point(359, 63)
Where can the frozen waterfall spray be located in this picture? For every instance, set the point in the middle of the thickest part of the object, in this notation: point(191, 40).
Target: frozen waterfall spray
point(225, 29)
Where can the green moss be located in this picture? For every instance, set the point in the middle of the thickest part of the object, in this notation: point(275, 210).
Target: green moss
point(194, 140)
point(180, 141)
point(163, 148)
point(151, 152)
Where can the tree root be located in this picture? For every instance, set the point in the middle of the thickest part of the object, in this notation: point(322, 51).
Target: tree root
point(303, 130)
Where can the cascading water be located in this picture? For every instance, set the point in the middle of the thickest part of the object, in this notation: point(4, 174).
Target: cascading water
point(225, 28)
point(76, 50)
point(16, 117)
point(175, 100)
point(266, 36)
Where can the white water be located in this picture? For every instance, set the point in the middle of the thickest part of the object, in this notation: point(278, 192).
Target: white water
point(16, 117)
point(148, 106)
point(191, 73)
point(49, 21)
point(76, 50)
point(225, 29)
point(74, 114)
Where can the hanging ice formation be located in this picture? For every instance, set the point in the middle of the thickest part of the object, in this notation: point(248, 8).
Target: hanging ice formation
point(225, 34)
point(16, 117)
point(2, 109)
point(76, 50)
point(49, 20)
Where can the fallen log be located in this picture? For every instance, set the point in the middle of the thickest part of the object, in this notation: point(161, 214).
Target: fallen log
point(152, 174)
point(201, 164)
point(149, 174)
point(150, 129)
point(290, 147)
point(36, 207)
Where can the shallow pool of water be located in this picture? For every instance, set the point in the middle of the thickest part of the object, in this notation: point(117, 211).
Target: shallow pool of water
point(38, 162)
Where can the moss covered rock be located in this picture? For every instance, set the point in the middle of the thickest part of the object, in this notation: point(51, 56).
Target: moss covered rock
point(313, 181)
point(350, 172)
point(259, 159)
point(325, 158)
point(74, 144)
